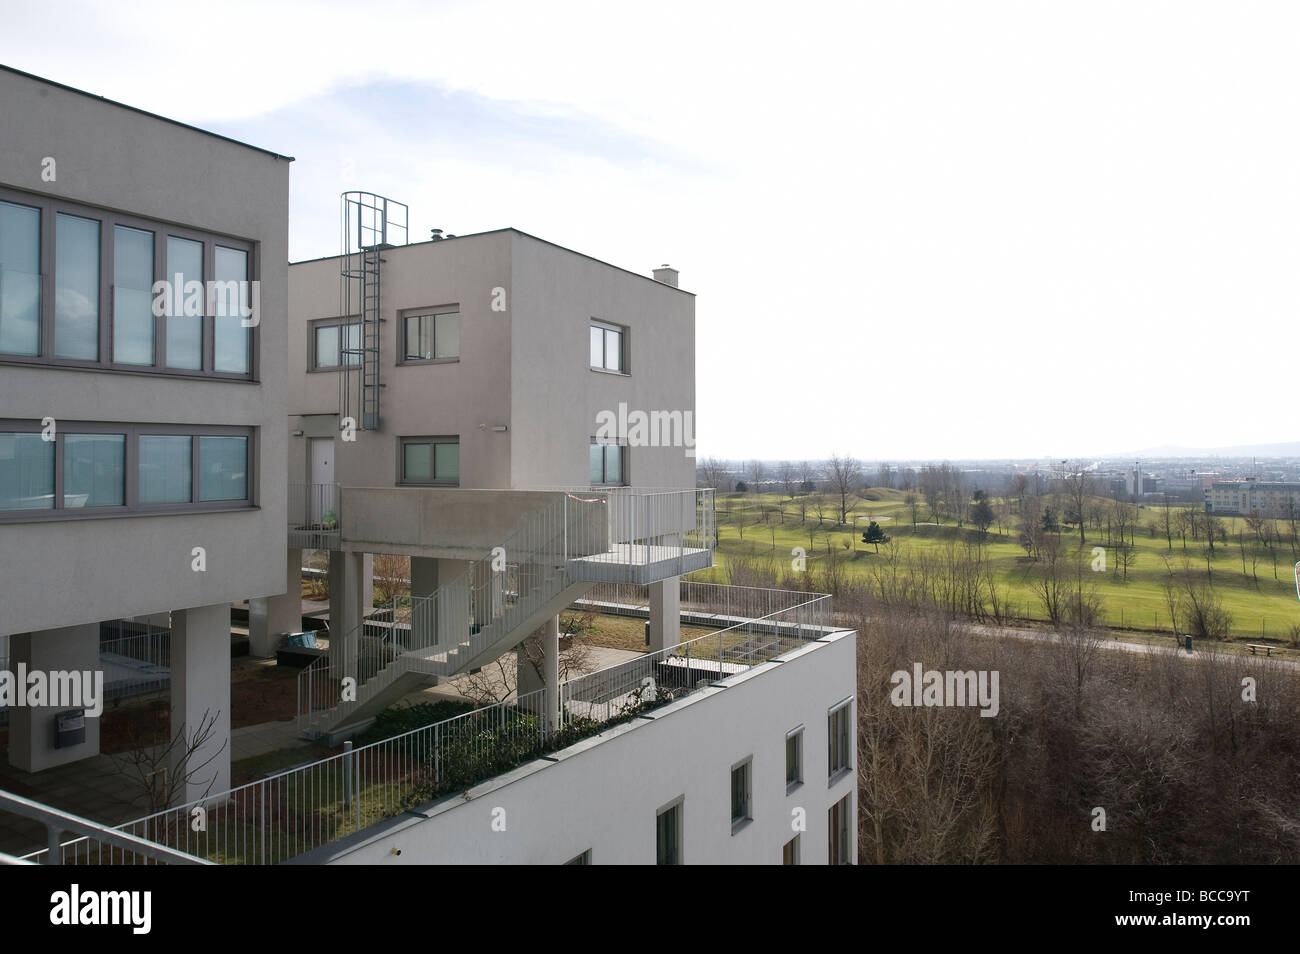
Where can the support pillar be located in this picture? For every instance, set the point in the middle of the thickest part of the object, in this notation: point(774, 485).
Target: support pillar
point(351, 578)
point(200, 691)
point(270, 616)
point(32, 728)
point(529, 680)
point(665, 614)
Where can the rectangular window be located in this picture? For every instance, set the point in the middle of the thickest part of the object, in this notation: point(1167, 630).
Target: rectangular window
point(231, 300)
point(26, 472)
point(76, 288)
point(94, 470)
point(793, 759)
point(336, 344)
point(223, 468)
point(434, 336)
point(185, 306)
point(20, 279)
point(741, 794)
point(606, 464)
point(582, 859)
point(104, 269)
point(790, 853)
point(668, 835)
point(837, 838)
point(430, 460)
point(164, 469)
point(133, 321)
point(90, 467)
point(608, 349)
point(839, 751)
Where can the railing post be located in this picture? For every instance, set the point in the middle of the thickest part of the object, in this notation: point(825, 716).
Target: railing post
point(54, 845)
point(347, 775)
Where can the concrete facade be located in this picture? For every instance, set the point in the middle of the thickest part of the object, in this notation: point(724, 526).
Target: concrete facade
point(69, 152)
point(602, 795)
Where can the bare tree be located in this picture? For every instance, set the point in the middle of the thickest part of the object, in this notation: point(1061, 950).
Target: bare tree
point(845, 475)
point(1079, 486)
point(160, 766)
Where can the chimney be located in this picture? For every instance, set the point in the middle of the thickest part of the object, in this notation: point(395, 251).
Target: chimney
point(666, 274)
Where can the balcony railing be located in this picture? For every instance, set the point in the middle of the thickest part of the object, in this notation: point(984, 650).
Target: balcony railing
point(285, 815)
point(315, 516)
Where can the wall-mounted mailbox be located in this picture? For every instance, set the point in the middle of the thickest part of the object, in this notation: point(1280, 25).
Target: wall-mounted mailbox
point(69, 728)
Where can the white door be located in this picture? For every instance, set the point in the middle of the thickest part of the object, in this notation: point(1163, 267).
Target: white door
point(322, 478)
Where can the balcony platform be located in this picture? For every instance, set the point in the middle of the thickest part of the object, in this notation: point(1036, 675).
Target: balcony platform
point(638, 563)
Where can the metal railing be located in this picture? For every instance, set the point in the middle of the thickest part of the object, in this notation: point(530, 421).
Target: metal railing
point(315, 515)
point(283, 816)
point(112, 844)
point(134, 662)
point(582, 535)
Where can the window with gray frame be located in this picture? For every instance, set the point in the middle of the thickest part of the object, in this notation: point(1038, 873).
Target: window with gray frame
point(793, 759)
point(790, 852)
point(335, 343)
point(582, 859)
point(608, 347)
point(837, 832)
point(431, 334)
point(79, 287)
point(668, 834)
point(608, 464)
point(99, 469)
point(839, 750)
point(742, 794)
point(429, 460)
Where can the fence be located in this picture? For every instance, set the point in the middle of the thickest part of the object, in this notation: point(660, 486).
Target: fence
point(315, 515)
point(282, 816)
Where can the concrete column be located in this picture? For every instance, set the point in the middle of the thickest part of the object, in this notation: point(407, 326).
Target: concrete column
point(665, 614)
point(349, 575)
point(71, 649)
point(270, 616)
point(424, 616)
point(529, 680)
point(200, 693)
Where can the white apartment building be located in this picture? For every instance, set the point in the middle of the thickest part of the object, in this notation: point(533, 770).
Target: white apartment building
point(142, 470)
point(513, 416)
point(1237, 498)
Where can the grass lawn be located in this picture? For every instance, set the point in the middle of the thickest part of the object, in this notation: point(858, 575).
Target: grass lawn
point(1263, 605)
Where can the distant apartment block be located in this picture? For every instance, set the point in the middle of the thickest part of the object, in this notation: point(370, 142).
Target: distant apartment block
point(1241, 497)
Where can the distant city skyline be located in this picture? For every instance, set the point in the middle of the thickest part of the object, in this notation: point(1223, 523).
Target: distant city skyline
point(918, 231)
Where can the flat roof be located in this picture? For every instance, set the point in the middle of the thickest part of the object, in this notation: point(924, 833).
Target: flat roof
point(562, 248)
point(143, 112)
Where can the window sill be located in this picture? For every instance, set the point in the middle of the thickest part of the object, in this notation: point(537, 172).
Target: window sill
point(839, 776)
point(428, 483)
point(403, 362)
point(135, 371)
point(740, 824)
point(792, 787)
point(617, 374)
point(70, 515)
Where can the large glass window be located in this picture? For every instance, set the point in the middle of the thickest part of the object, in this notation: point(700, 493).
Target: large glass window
point(223, 468)
point(837, 832)
point(429, 460)
point(232, 300)
point(132, 296)
point(94, 470)
point(185, 308)
point(164, 469)
point(20, 279)
point(76, 288)
point(431, 336)
point(103, 270)
point(741, 808)
point(26, 472)
point(793, 758)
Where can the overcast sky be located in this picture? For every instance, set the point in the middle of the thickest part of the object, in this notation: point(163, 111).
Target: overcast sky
point(916, 229)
